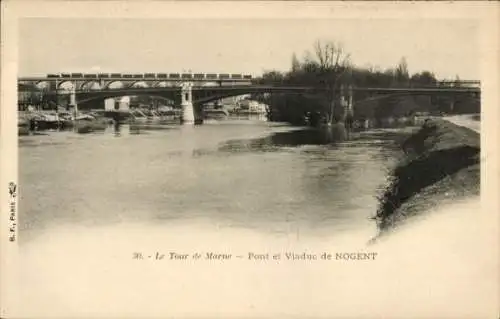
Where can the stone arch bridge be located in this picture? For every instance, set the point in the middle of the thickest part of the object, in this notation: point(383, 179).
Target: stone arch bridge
point(192, 95)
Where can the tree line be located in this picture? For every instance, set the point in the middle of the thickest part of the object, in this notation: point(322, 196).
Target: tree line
point(329, 67)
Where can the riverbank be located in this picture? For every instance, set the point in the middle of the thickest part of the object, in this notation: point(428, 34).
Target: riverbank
point(471, 121)
point(441, 164)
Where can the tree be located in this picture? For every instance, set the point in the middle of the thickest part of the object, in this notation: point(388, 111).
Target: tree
point(423, 78)
point(330, 55)
point(272, 77)
point(295, 63)
point(328, 67)
point(334, 64)
point(401, 73)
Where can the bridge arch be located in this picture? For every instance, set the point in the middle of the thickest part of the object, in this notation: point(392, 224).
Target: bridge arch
point(401, 94)
point(90, 85)
point(205, 100)
point(387, 96)
point(200, 97)
point(213, 98)
point(163, 84)
point(139, 84)
point(43, 85)
point(113, 85)
point(66, 85)
point(118, 95)
point(363, 109)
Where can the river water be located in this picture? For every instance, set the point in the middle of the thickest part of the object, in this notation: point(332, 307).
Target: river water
point(234, 174)
point(90, 202)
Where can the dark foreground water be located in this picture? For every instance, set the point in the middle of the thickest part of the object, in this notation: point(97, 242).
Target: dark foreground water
point(240, 174)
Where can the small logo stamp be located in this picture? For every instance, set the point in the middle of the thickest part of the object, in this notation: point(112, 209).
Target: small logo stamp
point(12, 189)
point(12, 211)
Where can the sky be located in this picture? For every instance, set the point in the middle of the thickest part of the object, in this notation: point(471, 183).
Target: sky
point(447, 47)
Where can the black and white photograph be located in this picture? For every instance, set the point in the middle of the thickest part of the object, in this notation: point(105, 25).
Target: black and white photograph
point(253, 159)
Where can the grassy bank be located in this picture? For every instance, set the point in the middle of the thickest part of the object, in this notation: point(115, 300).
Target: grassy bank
point(441, 163)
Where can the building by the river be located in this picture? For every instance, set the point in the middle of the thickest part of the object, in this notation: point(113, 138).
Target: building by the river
point(250, 106)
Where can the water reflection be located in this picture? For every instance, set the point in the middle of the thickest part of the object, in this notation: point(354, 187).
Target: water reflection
point(263, 176)
point(309, 136)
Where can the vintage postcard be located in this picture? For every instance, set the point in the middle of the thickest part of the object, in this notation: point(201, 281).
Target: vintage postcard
point(249, 159)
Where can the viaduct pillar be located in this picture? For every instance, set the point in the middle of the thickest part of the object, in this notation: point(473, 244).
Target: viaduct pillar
point(351, 98)
point(451, 106)
point(346, 100)
point(72, 99)
point(349, 106)
point(187, 103)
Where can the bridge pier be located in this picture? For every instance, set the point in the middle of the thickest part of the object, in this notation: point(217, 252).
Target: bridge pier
point(347, 106)
point(187, 103)
point(198, 114)
point(346, 101)
point(72, 101)
point(451, 106)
